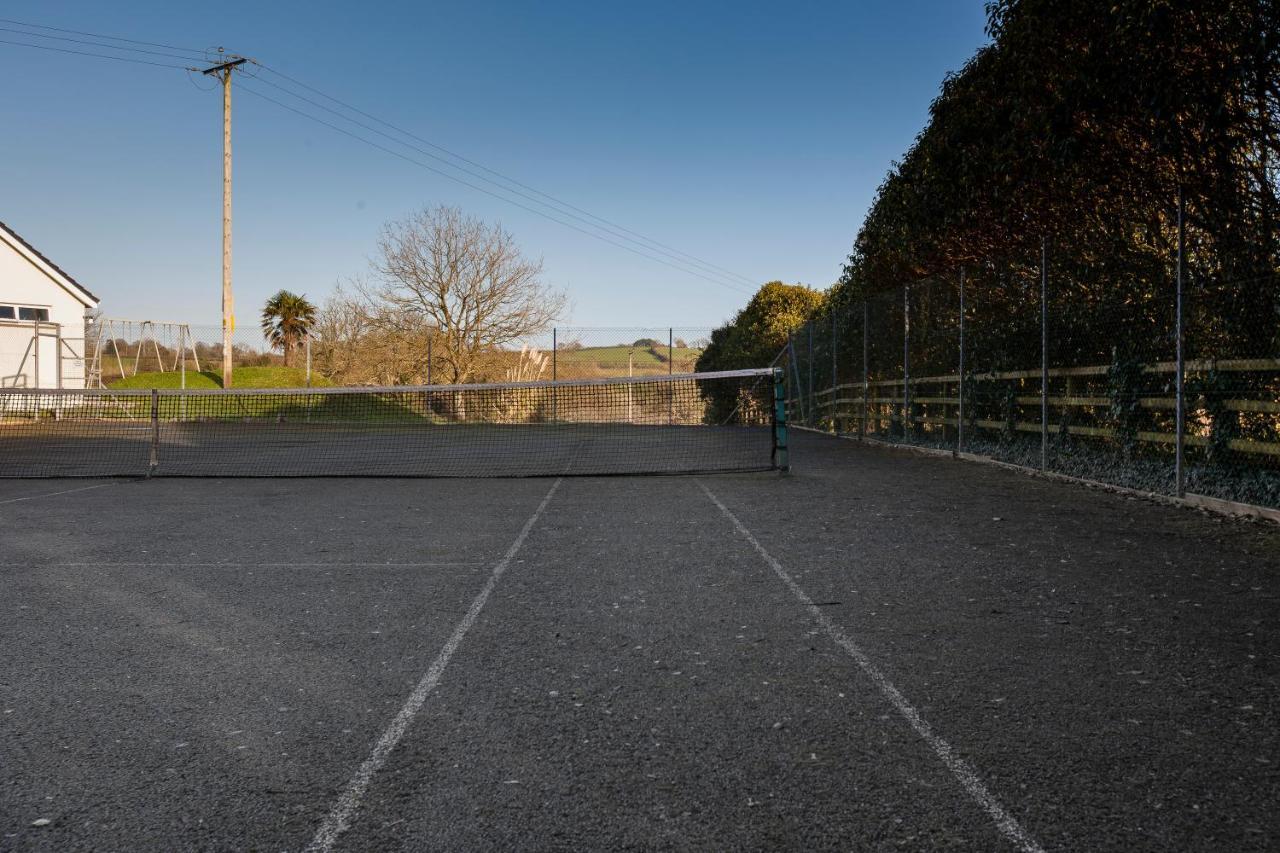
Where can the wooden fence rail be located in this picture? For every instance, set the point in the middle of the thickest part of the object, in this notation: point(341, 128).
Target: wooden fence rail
point(845, 400)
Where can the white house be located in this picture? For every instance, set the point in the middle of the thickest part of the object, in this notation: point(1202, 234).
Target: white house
point(43, 319)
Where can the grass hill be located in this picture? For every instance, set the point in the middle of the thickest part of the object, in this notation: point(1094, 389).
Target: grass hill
point(612, 361)
point(245, 377)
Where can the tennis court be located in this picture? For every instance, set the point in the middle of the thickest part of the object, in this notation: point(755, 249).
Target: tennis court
point(876, 651)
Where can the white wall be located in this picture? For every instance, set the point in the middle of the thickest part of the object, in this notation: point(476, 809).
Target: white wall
point(25, 283)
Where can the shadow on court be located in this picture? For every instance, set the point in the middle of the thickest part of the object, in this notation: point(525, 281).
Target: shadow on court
point(877, 651)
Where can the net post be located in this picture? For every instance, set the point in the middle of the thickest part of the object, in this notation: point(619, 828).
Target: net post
point(671, 360)
point(154, 462)
point(781, 457)
point(555, 353)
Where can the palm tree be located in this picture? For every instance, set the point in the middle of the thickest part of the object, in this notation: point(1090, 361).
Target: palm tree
point(287, 319)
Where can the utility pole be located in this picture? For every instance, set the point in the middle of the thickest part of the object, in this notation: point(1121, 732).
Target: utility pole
point(223, 73)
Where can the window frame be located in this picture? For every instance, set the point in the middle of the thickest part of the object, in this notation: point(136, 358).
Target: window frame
point(33, 310)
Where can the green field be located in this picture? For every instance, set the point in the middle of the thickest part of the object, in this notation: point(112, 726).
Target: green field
point(245, 377)
point(612, 361)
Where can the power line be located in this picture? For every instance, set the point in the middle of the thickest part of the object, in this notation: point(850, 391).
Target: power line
point(507, 178)
point(615, 233)
point(97, 35)
point(98, 55)
point(477, 188)
point(98, 44)
point(506, 185)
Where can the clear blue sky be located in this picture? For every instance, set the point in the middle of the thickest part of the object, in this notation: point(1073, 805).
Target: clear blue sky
point(750, 134)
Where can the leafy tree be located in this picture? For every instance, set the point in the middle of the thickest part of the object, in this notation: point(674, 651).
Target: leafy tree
point(287, 319)
point(1080, 122)
point(757, 332)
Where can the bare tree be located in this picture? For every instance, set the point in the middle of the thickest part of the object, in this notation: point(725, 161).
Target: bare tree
point(467, 280)
point(359, 343)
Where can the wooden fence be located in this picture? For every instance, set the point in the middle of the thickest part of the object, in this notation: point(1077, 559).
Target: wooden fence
point(853, 402)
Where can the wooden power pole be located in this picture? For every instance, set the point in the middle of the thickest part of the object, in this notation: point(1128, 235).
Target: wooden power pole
point(223, 73)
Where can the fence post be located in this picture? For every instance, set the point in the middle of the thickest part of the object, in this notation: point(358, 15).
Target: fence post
point(182, 360)
point(835, 375)
point(866, 371)
point(960, 384)
point(1044, 353)
point(671, 360)
point(906, 360)
point(795, 373)
point(791, 364)
point(155, 433)
point(781, 459)
point(308, 340)
point(36, 339)
point(812, 420)
point(1179, 472)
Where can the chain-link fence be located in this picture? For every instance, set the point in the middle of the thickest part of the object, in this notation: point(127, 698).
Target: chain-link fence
point(145, 354)
point(600, 353)
point(1056, 366)
point(126, 353)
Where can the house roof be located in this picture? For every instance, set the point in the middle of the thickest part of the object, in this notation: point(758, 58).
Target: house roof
point(57, 269)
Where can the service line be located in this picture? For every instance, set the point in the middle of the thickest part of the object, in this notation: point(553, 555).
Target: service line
point(959, 768)
point(348, 803)
point(55, 494)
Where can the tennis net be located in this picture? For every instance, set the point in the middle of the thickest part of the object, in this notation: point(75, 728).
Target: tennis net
point(726, 421)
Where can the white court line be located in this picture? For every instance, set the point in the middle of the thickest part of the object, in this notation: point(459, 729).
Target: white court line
point(55, 494)
point(184, 565)
point(340, 817)
point(959, 768)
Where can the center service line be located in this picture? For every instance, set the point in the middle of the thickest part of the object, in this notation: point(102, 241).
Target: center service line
point(958, 766)
point(348, 803)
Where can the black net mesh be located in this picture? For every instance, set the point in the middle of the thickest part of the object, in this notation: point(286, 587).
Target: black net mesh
point(649, 425)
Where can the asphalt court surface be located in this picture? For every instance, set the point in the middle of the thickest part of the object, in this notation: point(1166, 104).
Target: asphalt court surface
point(879, 651)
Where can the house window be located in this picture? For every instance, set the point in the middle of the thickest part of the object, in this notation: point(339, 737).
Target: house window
point(6, 312)
point(41, 314)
